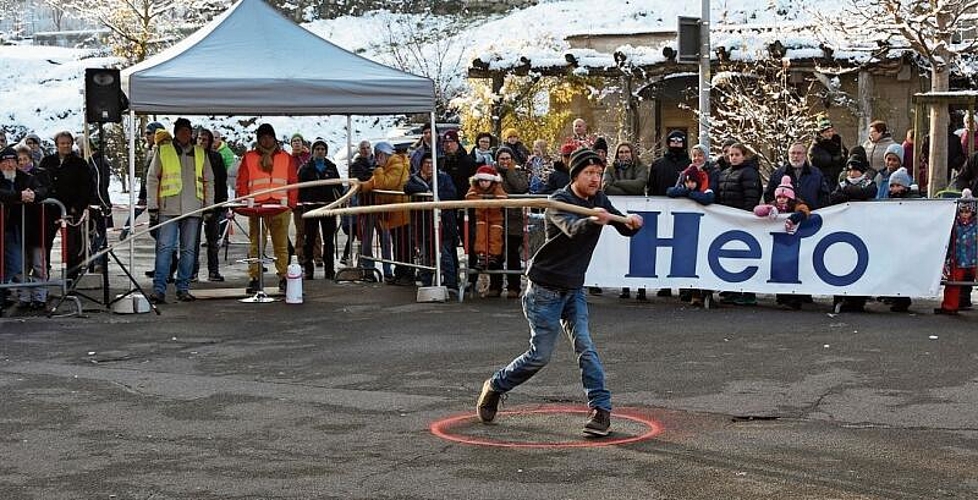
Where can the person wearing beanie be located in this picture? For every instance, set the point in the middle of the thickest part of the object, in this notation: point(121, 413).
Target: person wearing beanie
point(899, 186)
point(180, 124)
point(787, 203)
point(15, 193)
point(809, 182)
point(857, 186)
point(601, 147)
point(301, 155)
point(665, 171)
point(264, 167)
point(693, 183)
point(827, 153)
point(893, 160)
point(162, 137)
point(149, 137)
point(33, 141)
point(513, 181)
point(560, 176)
point(459, 166)
point(962, 254)
point(319, 167)
point(511, 139)
point(180, 181)
point(391, 173)
point(486, 184)
point(555, 302)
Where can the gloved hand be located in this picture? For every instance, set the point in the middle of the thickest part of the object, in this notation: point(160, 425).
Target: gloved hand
point(769, 211)
point(154, 217)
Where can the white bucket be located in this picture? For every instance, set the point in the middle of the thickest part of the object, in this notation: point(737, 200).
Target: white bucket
point(293, 284)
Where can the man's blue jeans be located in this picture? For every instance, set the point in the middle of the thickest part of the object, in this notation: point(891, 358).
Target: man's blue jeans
point(549, 312)
point(183, 231)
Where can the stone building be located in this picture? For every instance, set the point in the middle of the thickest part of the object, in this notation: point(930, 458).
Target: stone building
point(658, 93)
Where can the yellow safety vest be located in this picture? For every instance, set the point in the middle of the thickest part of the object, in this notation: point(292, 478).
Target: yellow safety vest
point(171, 178)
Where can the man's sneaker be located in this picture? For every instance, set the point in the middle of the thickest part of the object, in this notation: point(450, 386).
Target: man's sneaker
point(185, 297)
point(598, 423)
point(215, 277)
point(488, 403)
point(252, 286)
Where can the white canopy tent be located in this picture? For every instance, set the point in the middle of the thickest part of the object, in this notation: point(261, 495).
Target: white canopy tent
point(239, 64)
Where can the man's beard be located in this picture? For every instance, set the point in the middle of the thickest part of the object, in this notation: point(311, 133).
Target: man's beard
point(10, 175)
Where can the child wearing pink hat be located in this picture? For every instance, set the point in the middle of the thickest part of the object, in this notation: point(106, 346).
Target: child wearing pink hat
point(785, 202)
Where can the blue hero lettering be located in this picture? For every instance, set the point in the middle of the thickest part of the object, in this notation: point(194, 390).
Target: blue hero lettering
point(732, 255)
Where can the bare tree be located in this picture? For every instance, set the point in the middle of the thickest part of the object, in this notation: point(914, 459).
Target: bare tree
point(427, 46)
point(57, 8)
point(139, 27)
point(941, 32)
point(756, 103)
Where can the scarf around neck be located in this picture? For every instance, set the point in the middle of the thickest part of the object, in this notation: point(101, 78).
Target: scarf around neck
point(266, 156)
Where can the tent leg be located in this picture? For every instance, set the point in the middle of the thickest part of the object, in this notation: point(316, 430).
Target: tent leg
point(132, 189)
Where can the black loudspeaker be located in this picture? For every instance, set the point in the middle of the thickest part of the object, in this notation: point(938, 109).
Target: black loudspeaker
point(104, 100)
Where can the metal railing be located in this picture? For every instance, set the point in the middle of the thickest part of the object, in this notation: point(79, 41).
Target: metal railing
point(26, 248)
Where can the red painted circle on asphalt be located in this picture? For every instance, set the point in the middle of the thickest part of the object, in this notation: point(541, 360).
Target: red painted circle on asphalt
point(443, 429)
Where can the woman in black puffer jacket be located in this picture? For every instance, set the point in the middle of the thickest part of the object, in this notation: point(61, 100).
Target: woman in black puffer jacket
point(740, 184)
point(739, 187)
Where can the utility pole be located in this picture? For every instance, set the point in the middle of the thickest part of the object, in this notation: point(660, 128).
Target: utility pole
point(705, 77)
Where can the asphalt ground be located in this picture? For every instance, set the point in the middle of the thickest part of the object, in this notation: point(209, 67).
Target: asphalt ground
point(336, 398)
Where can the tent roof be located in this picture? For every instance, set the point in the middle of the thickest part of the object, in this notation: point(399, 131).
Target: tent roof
point(243, 62)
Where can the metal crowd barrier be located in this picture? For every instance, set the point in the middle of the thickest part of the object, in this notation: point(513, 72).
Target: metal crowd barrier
point(402, 243)
point(26, 270)
point(399, 248)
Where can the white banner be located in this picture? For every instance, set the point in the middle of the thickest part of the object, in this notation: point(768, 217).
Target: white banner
point(885, 248)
